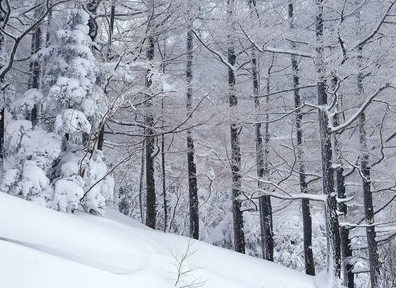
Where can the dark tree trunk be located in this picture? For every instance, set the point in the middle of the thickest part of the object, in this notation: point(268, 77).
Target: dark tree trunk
point(163, 167)
point(92, 7)
point(3, 96)
point(347, 274)
point(239, 235)
point(150, 143)
point(35, 67)
point(2, 130)
point(165, 201)
point(368, 205)
point(192, 170)
point(265, 208)
point(367, 194)
point(305, 207)
point(108, 56)
point(141, 180)
point(333, 233)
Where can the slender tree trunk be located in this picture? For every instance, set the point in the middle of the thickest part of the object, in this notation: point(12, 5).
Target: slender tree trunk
point(333, 234)
point(151, 211)
point(3, 96)
point(366, 181)
point(163, 167)
point(141, 180)
point(347, 274)
point(267, 243)
point(265, 208)
point(108, 56)
point(192, 170)
point(239, 236)
point(368, 204)
point(305, 207)
point(92, 7)
point(265, 205)
point(35, 67)
point(36, 44)
point(150, 143)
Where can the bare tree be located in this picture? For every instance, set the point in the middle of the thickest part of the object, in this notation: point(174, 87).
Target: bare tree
point(192, 170)
point(239, 237)
point(333, 233)
point(149, 124)
point(305, 207)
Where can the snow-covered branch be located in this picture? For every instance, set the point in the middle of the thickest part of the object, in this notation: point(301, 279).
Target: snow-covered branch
point(361, 109)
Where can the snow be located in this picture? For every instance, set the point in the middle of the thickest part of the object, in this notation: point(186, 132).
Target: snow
point(67, 195)
point(35, 178)
point(71, 121)
point(26, 103)
point(51, 249)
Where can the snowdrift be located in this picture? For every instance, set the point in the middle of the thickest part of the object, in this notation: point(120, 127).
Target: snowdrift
point(43, 248)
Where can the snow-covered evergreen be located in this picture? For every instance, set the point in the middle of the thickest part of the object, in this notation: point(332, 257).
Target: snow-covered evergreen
point(57, 163)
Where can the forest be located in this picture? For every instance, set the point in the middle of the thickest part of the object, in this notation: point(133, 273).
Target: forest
point(261, 126)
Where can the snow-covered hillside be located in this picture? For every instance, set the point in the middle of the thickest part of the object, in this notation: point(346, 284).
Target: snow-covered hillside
point(43, 248)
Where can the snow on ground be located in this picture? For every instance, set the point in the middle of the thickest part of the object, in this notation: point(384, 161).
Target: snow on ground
point(43, 248)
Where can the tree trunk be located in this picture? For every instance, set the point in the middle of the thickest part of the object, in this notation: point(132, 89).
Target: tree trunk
point(141, 180)
point(192, 170)
point(108, 56)
point(347, 274)
point(265, 208)
point(149, 134)
point(367, 194)
point(3, 97)
point(163, 167)
point(305, 206)
point(35, 67)
point(92, 7)
point(239, 236)
point(36, 44)
point(332, 224)
point(368, 204)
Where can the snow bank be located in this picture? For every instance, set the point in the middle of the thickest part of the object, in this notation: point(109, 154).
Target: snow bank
point(51, 249)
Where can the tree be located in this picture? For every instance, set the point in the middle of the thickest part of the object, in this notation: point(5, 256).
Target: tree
point(305, 206)
point(239, 237)
point(79, 103)
point(192, 170)
point(149, 123)
point(333, 233)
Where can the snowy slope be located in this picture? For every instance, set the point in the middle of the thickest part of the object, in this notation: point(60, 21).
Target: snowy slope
point(43, 248)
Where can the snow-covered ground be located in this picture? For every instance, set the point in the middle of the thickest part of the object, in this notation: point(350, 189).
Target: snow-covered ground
point(43, 248)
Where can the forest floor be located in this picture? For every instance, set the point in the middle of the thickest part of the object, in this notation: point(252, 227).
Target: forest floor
point(43, 248)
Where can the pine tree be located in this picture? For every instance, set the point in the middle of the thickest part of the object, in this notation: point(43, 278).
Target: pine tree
point(76, 100)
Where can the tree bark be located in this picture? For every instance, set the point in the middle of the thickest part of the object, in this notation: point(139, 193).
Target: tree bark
point(141, 180)
point(333, 234)
point(3, 97)
point(35, 67)
point(192, 170)
point(347, 275)
point(108, 56)
point(305, 206)
point(163, 167)
point(265, 208)
point(92, 7)
point(149, 134)
point(239, 236)
point(366, 185)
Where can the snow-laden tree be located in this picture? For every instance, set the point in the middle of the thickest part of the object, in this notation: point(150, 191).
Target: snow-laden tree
point(76, 102)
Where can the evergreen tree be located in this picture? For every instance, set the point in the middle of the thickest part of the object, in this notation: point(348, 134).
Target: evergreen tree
point(76, 100)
